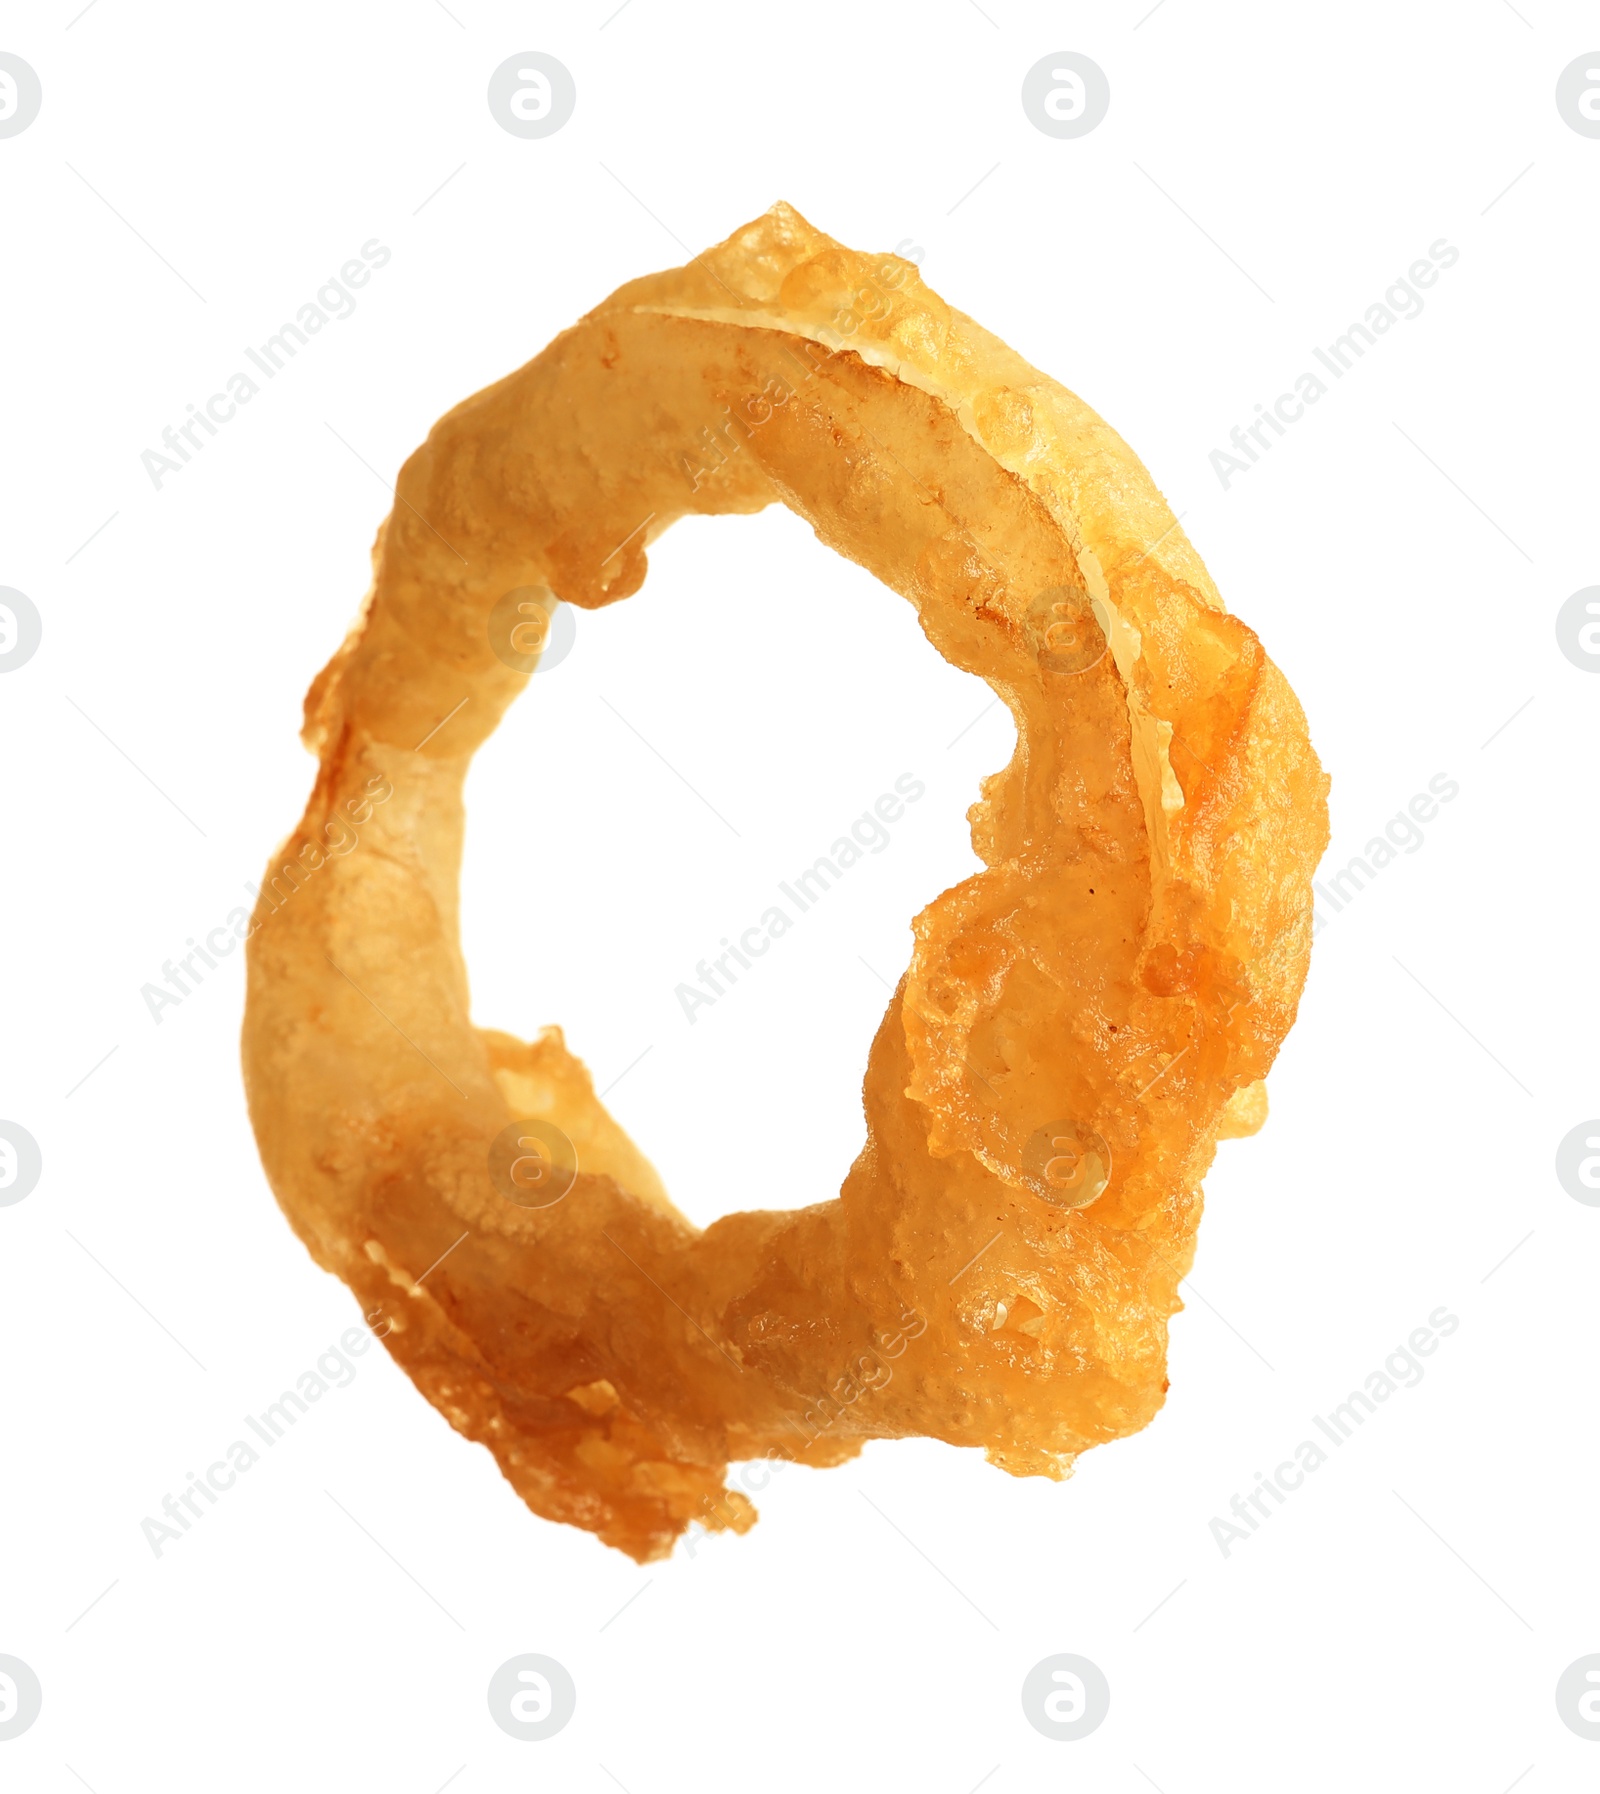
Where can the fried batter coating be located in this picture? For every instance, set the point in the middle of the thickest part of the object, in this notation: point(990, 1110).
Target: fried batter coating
point(1079, 1022)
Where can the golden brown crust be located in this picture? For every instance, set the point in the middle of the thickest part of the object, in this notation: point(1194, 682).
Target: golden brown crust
point(1128, 960)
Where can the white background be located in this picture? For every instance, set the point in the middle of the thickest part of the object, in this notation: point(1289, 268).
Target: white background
point(1264, 174)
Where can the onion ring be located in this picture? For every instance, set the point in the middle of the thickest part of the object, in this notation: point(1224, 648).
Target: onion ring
point(1079, 1023)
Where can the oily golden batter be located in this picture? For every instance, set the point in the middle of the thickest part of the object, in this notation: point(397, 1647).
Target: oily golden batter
point(1080, 1022)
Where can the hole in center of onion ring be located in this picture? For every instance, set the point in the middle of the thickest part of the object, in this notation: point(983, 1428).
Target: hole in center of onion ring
point(757, 758)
